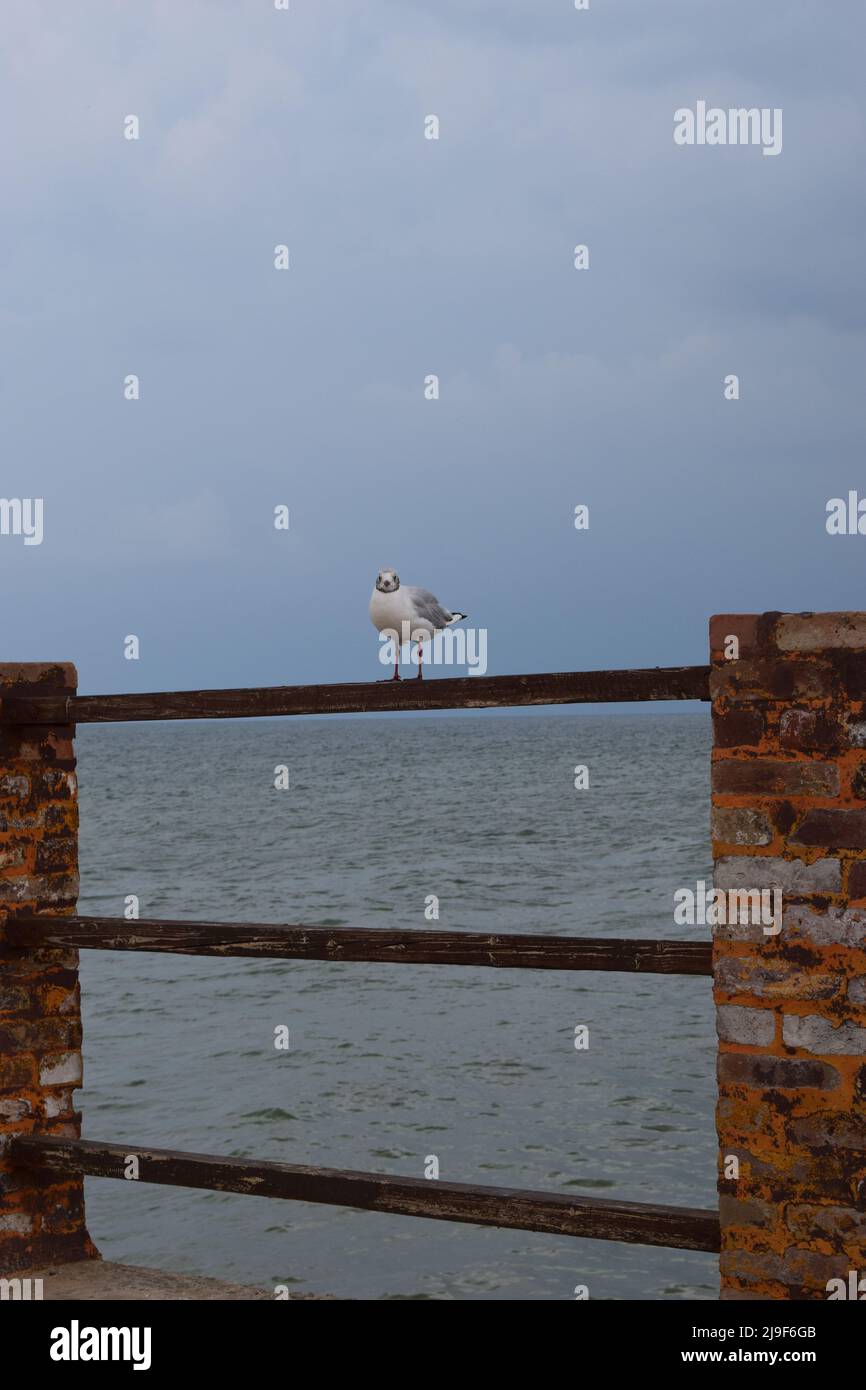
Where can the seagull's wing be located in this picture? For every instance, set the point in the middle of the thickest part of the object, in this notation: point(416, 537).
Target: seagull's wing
point(428, 607)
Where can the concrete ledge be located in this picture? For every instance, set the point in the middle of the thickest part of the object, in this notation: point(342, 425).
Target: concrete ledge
point(98, 1280)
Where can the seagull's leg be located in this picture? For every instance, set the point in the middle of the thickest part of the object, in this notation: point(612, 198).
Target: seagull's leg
point(396, 676)
point(420, 675)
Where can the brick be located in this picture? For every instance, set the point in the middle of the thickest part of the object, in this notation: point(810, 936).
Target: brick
point(62, 1215)
point(60, 890)
point(58, 1104)
point(60, 816)
point(63, 1069)
point(790, 875)
point(776, 1073)
point(857, 734)
point(16, 1223)
point(771, 680)
point(14, 1108)
point(801, 1268)
point(752, 931)
point(19, 744)
point(738, 728)
point(63, 1127)
point(13, 998)
point(738, 825)
point(53, 784)
point(59, 993)
point(834, 926)
point(751, 1027)
point(819, 1176)
point(14, 890)
point(765, 777)
point(23, 819)
point(14, 786)
point(734, 1212)
point(851, 677)
point(812, 1033)
point(833, 1131)
point(40, 1035)
point(806, 1221)
point(37, 677)
point(832, 829)
point(857, 880)
point(811, 731)
point(747, 1119)
point(743, 626)
point(818, 632)
point(775, 980)
point(17, 1073)
point(55, 852)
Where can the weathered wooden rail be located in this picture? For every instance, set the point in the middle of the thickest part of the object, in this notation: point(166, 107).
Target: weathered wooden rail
point(416, 946)
point(686, 1228)
point(50, 715)
point(463, 692)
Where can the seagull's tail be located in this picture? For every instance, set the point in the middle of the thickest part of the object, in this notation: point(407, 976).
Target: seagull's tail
point(457, 617)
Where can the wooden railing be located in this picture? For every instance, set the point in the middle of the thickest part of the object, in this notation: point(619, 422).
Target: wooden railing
point(687, 1228)
point(647, 1224)
point(415, 946)
point(462, 692)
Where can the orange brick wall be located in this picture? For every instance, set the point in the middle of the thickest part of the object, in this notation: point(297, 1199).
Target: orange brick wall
point(789, 812)
point(40, 1019)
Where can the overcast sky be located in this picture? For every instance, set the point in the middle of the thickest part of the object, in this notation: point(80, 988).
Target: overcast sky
point(410, 257)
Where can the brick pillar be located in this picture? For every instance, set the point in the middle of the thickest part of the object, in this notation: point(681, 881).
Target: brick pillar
point(40, 1020)
point(789, 812)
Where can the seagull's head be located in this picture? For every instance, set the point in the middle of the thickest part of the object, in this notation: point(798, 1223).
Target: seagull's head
point(387, 581)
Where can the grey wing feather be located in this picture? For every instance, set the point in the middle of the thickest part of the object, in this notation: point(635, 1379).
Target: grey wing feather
point(429, 608)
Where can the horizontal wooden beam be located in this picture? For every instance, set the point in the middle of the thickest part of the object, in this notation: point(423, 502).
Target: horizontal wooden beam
point(461, 692)
point(685, 1228)
point(416, 946)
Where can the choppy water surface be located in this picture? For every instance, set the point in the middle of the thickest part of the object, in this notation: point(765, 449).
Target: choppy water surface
point(389, 1064)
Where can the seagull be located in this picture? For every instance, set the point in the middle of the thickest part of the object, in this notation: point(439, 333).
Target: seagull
point(402, 611)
